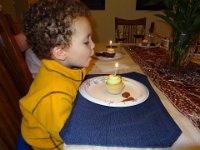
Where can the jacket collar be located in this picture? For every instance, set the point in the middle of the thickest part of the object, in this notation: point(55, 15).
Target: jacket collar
point(76, 74)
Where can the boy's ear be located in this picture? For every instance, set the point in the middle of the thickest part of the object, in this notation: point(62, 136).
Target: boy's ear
point(59, 53)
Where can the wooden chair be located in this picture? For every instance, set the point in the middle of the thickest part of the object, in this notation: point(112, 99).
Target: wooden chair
point(129, 29)
point(13, 58)
point(15, 80)
point(12, 25)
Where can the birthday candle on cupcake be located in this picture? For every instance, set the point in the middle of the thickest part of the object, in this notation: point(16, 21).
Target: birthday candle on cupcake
point(116, 67)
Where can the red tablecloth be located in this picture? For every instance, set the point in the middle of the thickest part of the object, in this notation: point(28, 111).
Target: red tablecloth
point(182, 87)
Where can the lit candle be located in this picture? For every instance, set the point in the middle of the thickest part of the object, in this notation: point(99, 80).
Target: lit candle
point(110, 49)
point(110, 43)
point(116, 66)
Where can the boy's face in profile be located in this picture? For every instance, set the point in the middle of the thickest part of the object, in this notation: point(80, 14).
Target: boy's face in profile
point(81, 49)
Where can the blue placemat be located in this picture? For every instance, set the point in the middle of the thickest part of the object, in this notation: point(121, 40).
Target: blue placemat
point(145, 125)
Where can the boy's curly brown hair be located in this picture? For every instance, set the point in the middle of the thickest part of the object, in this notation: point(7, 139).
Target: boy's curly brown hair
point(47, 24)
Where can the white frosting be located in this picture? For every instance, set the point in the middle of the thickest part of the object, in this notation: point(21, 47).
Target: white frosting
point(114, 84)
point(110, 50)
point(112, 79)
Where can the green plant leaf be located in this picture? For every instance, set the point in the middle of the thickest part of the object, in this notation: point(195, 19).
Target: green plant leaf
point(168, 20)
point(169, 13)
point(184, 18)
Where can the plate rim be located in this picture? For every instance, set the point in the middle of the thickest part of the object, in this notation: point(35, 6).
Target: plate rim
point(108, 58)
point(113, 104)
point(142, 46)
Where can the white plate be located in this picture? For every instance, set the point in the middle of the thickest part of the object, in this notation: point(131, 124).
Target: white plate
point(196, 54)
point(94, 90)
point(117, 56)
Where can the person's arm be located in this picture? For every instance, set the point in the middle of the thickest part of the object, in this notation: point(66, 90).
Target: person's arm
point(21, 41)
point(33, 62)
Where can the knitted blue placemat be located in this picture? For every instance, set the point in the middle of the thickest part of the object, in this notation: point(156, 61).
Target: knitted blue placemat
point(145, 125)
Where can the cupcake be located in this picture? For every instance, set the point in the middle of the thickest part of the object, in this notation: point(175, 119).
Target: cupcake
point(111, 50)
point(145, 42)
point(114, 84)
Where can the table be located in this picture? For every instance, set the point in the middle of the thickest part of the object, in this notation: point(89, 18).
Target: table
point(182, 86)
point(126, 64)
point(190, 137)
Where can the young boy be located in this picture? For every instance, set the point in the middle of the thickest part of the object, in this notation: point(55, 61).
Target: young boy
point(60, 34)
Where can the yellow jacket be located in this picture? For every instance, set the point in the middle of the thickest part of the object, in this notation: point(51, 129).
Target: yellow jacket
point(48, 104)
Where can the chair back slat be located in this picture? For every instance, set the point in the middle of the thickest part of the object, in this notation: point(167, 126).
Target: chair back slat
point(15, 80)
point(12, 25)
point(12, 57)
point(129, 28)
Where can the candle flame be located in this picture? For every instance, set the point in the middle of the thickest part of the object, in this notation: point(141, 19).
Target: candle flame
point(116, 65)
point(110, 42)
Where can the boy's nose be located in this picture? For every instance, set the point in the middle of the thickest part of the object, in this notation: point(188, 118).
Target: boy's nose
point(92, 45)
point(92, 51)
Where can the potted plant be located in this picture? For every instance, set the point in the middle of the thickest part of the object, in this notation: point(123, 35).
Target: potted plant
point(184, 18)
